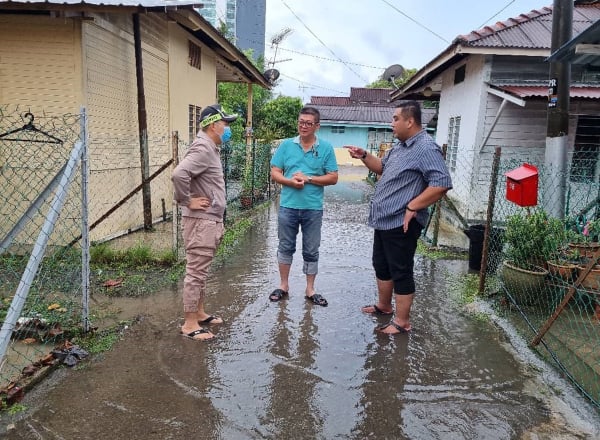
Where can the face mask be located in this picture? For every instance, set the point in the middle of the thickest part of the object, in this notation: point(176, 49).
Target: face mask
point(226, 136)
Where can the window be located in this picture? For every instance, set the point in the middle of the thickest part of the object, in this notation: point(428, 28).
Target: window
point(338, 129)
point(378, 136)
point(584, 165)
point(194, 55)
point(453, 134)
point(459, 74)
point(193, 121)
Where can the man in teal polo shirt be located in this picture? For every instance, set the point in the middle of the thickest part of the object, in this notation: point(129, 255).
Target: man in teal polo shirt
point(303, 165)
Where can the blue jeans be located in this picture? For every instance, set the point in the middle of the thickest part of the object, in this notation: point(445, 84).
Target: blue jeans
point(289, 222)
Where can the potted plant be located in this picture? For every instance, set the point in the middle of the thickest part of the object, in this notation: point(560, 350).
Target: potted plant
point(584, 235)
point(532, 239)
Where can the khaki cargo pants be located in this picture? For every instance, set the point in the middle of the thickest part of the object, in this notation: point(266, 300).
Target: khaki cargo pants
point(201, 238)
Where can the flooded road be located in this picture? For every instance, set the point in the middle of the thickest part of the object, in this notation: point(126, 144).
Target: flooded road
point(292, 370)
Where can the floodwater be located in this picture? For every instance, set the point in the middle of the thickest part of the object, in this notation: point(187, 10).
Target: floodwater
point(293, 370)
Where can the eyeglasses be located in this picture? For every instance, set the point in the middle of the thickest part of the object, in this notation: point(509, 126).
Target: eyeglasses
point(306, 124)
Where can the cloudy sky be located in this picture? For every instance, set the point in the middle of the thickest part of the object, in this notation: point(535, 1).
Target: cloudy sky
point(338, 44)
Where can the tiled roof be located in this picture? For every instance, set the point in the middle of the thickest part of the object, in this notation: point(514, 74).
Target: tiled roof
point(373, 96)
point(356, 113)
point(363, 114)
point(530, 31)
point(329, 100)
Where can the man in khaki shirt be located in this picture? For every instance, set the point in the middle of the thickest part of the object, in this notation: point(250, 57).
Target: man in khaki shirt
point(200, 190)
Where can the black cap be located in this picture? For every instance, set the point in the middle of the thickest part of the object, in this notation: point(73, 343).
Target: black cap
point(214, 113)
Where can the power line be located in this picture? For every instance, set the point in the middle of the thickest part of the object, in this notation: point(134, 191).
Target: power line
point(330, 59)
point(496, 14)
point(320, 41)
point(415, 21)
point(313, 86)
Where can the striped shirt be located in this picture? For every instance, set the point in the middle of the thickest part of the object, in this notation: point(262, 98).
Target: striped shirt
point(407, 169)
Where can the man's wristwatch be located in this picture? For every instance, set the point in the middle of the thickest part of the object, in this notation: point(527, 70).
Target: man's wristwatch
point(364, 156)
point(309, 179)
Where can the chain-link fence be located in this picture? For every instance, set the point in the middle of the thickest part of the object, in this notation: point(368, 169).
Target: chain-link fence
point(40, 215)
point(542, 264)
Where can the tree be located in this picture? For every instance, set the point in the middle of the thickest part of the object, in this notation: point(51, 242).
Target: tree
point(279, 118)
point(234, 97)
point(383, 83)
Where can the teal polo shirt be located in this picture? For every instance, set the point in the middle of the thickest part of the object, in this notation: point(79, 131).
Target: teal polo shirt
point(317, 161)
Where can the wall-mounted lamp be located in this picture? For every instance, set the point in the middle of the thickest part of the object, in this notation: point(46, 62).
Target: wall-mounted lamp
point(427, 92)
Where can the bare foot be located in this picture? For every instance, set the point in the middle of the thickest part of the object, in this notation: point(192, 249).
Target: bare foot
point(198, 334)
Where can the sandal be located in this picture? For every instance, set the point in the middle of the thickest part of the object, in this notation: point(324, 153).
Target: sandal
point(376, 310)
point(317, 299)
point(192, 335)
point(210, 320)
point(277, 295)
point(396, 326)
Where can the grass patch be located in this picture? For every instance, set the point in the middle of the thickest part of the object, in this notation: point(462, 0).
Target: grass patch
point(438, 253)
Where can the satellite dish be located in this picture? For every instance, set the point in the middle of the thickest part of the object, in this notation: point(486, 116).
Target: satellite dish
point(393, 72)
point(271, 75)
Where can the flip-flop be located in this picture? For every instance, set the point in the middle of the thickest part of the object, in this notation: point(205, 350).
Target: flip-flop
point(192, 335)
point(317, 299)
point(277, 295)
point(376, 310)
point(396, 326)
point(209, 320)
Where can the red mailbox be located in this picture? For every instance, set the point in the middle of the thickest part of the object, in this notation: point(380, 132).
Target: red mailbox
point(522, 185)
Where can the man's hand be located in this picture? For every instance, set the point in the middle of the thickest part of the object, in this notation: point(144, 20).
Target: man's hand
point(355, 152)
point(200, 203)
point(298, 180)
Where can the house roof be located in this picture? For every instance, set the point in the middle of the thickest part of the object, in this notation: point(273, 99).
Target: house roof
point(233, 66)
point(355, 114)
point(582, 92)
point(526, 35)
point(363, 106)
point(579, 50)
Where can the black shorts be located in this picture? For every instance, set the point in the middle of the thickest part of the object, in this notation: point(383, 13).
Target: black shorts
point(394, 254)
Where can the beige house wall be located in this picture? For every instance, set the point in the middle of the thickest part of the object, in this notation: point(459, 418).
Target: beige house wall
point(40, 64)
point(189, 85)
point(40, 73)
point(111, 86)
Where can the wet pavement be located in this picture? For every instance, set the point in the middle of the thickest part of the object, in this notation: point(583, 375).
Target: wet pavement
point(293, 370)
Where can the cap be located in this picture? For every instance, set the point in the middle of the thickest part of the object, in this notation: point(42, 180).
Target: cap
point(214, 113)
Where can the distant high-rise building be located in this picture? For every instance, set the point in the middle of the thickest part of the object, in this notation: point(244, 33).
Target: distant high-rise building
point(250, 25)
point(245, 21)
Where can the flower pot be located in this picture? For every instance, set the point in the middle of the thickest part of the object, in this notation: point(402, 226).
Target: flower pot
point(562, 269)
point(586, 250)
point(526, 286)
point(592, 280)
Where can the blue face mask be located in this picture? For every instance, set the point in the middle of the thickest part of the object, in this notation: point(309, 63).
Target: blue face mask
point(226, 136)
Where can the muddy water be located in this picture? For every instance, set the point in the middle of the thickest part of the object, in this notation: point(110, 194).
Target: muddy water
point(292, 370)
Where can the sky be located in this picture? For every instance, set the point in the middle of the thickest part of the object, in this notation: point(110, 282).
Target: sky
point(338, 44)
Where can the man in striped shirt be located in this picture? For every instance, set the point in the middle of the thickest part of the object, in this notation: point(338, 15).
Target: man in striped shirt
point(413, 177)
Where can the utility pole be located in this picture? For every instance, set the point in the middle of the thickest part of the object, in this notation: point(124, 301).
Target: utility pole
point(143, 124)
point(558, 112)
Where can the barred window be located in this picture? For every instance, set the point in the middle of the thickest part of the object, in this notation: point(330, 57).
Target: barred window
point(378, 136)
point(584, 166)
point(338, 129)
point(193, 121)
point(194, 55)
point(453, 135)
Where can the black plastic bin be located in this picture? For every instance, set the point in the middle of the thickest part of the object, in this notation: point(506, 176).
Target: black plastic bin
point(476, 234)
